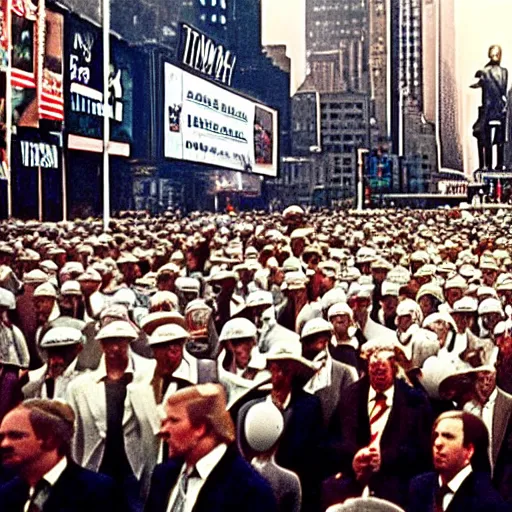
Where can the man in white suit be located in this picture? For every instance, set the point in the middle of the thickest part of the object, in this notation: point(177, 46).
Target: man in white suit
point(108, 438)
point(175, 369)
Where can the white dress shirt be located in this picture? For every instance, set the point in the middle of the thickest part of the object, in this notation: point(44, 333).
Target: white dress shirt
point(203, 467)
point(323, 376)
point(486, 412)
point(50, 477)
point(454, 485)
point(380, 424)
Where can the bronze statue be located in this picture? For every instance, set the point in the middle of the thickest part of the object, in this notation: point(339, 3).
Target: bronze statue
point(490, 128)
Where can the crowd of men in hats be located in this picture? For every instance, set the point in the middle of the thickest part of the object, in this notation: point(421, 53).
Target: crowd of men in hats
point(248, 361)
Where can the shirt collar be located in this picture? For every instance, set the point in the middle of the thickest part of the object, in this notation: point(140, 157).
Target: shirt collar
point(286, 403)
point(54, 474)
point(457, 480)
point(205, 465)
point(101, 372)
point(352, 342)
point(389, 394)
point(492, 398)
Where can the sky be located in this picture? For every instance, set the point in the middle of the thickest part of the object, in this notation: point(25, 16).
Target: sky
point(284, 23)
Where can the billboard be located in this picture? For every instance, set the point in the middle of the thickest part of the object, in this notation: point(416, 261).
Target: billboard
point(207, 124)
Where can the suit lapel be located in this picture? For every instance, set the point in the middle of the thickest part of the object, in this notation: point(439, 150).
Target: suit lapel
point(500, 419)
point(391, 431)
point(462, 498)
point(215, 478)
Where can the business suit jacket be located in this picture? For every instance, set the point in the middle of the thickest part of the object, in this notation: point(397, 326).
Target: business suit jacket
point(342, 376)
point(405, 442)
point(476, 494)
point(76, 490)
point(502, 444)
point(86, 395)
point(232, 486)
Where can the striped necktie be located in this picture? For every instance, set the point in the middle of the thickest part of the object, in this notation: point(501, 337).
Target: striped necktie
point(41, 493)
point(181, 496)
point(378, 410)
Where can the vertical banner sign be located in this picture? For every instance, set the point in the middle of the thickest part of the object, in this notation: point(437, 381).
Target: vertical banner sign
point(4, 62)
point(51, 99)
point(23, 73)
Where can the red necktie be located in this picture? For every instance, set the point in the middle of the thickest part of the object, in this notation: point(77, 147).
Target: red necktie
point(379, 408)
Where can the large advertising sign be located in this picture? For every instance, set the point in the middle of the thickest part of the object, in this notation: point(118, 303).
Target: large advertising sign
point(207, 124)
point(84, 115)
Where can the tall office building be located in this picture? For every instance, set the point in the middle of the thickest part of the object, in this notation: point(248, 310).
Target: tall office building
point(337, 44)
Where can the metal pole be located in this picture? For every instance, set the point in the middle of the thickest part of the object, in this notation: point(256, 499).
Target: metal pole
point(360, 177)
point(40, 192)
point(8, 108)
point(106, 113)
point(64, 181)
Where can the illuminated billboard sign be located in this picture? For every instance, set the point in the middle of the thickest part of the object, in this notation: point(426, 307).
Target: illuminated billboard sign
point(207, 124)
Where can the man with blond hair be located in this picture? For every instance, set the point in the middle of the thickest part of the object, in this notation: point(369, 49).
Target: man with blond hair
point(35, 441)
point(205, 471)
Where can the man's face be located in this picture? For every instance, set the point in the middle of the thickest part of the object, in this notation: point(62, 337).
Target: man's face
point(177, 431)
point(298, 245)
point(389, 304)
point(490, 320)
point(379, 274)
point(341, 323)
point(485, 384)
point(241, 350)
point(313, 345)
point(44, 305)
point(489, 276)
point(495, 54)
point(403, 322)
point(452, 295)
point(381, 372)
point(281, 374)
point(19, 446)
point(504, 343)
point(449, 454)
point(115, 349)
point(426, 304)
point(168, 356)
point(462, 320)
point(59, 358)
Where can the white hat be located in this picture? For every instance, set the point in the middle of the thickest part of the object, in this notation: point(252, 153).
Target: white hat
point(391, 289)
point(456, 282)
point(490, 305)
point(465, 305)
point(238, 328)
point(432, 289)
point(333, 296)
point(294, 281)
point(7, 299)
point(117, 329)
point(45, 290)
point(168, 333)
point(170, 268)
point(340, 308)
point(263, 426)
point(153, 320)
point(486, 290)
point(70, 287)
point(124, 296)
point(290, 350)
point(293, 210)
point(292, 264)
point(164, 297)
point(35, 277)
point(407, 307)
point(259, 298)
point(315, 326)
point(188, 284)
point(61, 337)
point(439, 317)
point(90, 275)
point(503, 327)
point(49, 266)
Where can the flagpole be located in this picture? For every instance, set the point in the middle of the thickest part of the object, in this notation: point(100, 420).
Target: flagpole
point(106, 113)
point(8, 107)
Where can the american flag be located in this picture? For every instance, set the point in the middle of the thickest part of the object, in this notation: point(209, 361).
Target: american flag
point(51, 100)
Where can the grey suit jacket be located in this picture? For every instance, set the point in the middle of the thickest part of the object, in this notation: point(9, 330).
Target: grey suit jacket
point(342, 376)
point(502, 444)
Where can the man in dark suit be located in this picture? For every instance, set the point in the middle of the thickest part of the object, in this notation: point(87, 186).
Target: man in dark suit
point(205, 471)
point(35, 442)
point(461, 482)
point(381, 437)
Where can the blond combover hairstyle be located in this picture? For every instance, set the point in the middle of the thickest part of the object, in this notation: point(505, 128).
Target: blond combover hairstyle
point(206, 404)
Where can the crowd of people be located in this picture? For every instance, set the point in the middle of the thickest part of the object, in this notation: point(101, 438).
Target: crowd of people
point(294, 361)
